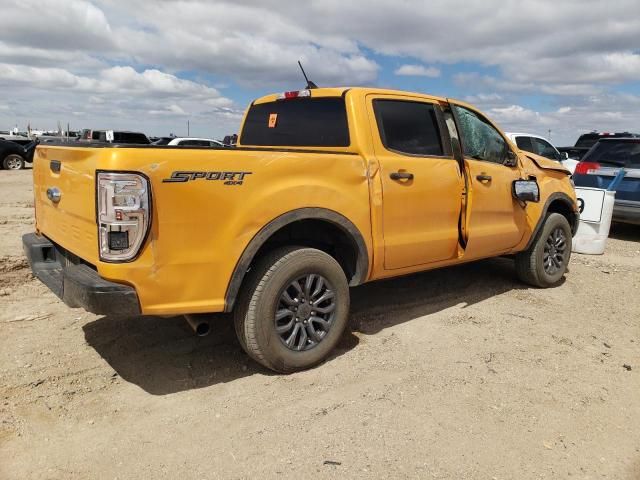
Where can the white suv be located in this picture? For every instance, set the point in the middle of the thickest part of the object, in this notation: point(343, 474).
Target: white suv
point(541, 146)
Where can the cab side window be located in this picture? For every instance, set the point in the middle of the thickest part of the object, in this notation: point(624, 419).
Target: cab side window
point(480, 140)
point(408, 127)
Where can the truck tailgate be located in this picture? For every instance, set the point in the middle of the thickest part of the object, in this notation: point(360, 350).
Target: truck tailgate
point(70, 222)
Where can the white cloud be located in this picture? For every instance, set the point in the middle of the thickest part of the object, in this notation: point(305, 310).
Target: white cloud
point(606, 112)
point(72, 25)
point(170, 110)
point(417, 71)
point(120, 80)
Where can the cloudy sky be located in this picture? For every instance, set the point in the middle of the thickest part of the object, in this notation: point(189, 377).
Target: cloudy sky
point(567, 66)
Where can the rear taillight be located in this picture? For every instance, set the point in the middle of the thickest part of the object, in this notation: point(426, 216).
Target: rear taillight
point(584, 168)
point(123, 209)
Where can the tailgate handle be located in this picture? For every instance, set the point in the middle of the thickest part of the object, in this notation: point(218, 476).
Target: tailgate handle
point(55, 166)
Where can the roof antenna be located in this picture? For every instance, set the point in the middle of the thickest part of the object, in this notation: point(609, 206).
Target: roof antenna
point(310, 84)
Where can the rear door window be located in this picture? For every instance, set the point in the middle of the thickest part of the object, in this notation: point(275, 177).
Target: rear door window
point(408, 127)
point(297, 122)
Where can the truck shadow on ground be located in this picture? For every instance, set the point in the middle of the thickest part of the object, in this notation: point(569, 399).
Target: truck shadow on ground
point(163, 356)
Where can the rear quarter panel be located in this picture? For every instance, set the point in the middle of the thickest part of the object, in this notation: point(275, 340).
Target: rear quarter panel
point(201, 227)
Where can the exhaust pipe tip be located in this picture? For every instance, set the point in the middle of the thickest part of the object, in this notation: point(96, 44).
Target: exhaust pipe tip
point(198, 324)
point(202, 329)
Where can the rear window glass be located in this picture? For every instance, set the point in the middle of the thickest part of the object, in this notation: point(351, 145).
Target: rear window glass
point(298, 122)
point(408, 127)
point(587, 140)
point(619, 154)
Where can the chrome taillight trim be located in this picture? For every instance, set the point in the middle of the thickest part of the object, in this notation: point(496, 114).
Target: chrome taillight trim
point(136, 216)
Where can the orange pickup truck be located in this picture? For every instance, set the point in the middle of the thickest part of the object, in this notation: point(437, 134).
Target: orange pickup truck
point(328, 188)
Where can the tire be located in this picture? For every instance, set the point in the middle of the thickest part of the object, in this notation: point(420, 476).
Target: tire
point(546, 261)
point(270, 289)
point(13, 162)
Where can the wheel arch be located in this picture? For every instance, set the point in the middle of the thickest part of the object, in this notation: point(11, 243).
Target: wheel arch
point(355, 258)
point(561, 203)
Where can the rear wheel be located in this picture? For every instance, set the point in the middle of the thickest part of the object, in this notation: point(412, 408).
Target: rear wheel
point(546, 261)
point(13, 162)
point(293, 309)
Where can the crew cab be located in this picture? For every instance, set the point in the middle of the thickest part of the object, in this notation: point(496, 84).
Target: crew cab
point(328, 188)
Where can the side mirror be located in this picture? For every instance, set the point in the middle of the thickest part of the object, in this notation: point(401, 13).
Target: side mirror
point(564, 156)
point(512, 158)
point(526, 190)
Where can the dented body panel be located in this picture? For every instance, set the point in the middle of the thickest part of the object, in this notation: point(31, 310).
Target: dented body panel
point(209, 204)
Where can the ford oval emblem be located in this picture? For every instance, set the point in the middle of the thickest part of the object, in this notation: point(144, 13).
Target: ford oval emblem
point(54, 194)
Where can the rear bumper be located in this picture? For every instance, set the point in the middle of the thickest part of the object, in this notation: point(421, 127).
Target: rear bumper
point(77, 284)
point(625, 211)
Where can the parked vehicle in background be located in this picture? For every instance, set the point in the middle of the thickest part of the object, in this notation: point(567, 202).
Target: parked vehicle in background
point(327, 188)
point(603, 162)
point(114, 136)
point(19, 139)
point(541, 146)
point(13, 156)
point(588, 140)
point(188, 142)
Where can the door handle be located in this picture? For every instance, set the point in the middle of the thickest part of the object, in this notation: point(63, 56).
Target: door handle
point(484, 177)
point(401, 176)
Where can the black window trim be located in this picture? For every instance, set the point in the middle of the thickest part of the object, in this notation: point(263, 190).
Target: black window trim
point(445, 140)
point(461, 135)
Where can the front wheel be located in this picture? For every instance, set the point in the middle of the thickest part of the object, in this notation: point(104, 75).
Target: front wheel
point(13, 162)
point(546, 261)
point(293, 309)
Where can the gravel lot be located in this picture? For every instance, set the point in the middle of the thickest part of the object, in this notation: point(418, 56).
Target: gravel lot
point(457, 373)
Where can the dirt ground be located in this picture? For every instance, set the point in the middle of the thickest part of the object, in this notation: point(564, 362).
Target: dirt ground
point(458, 373)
